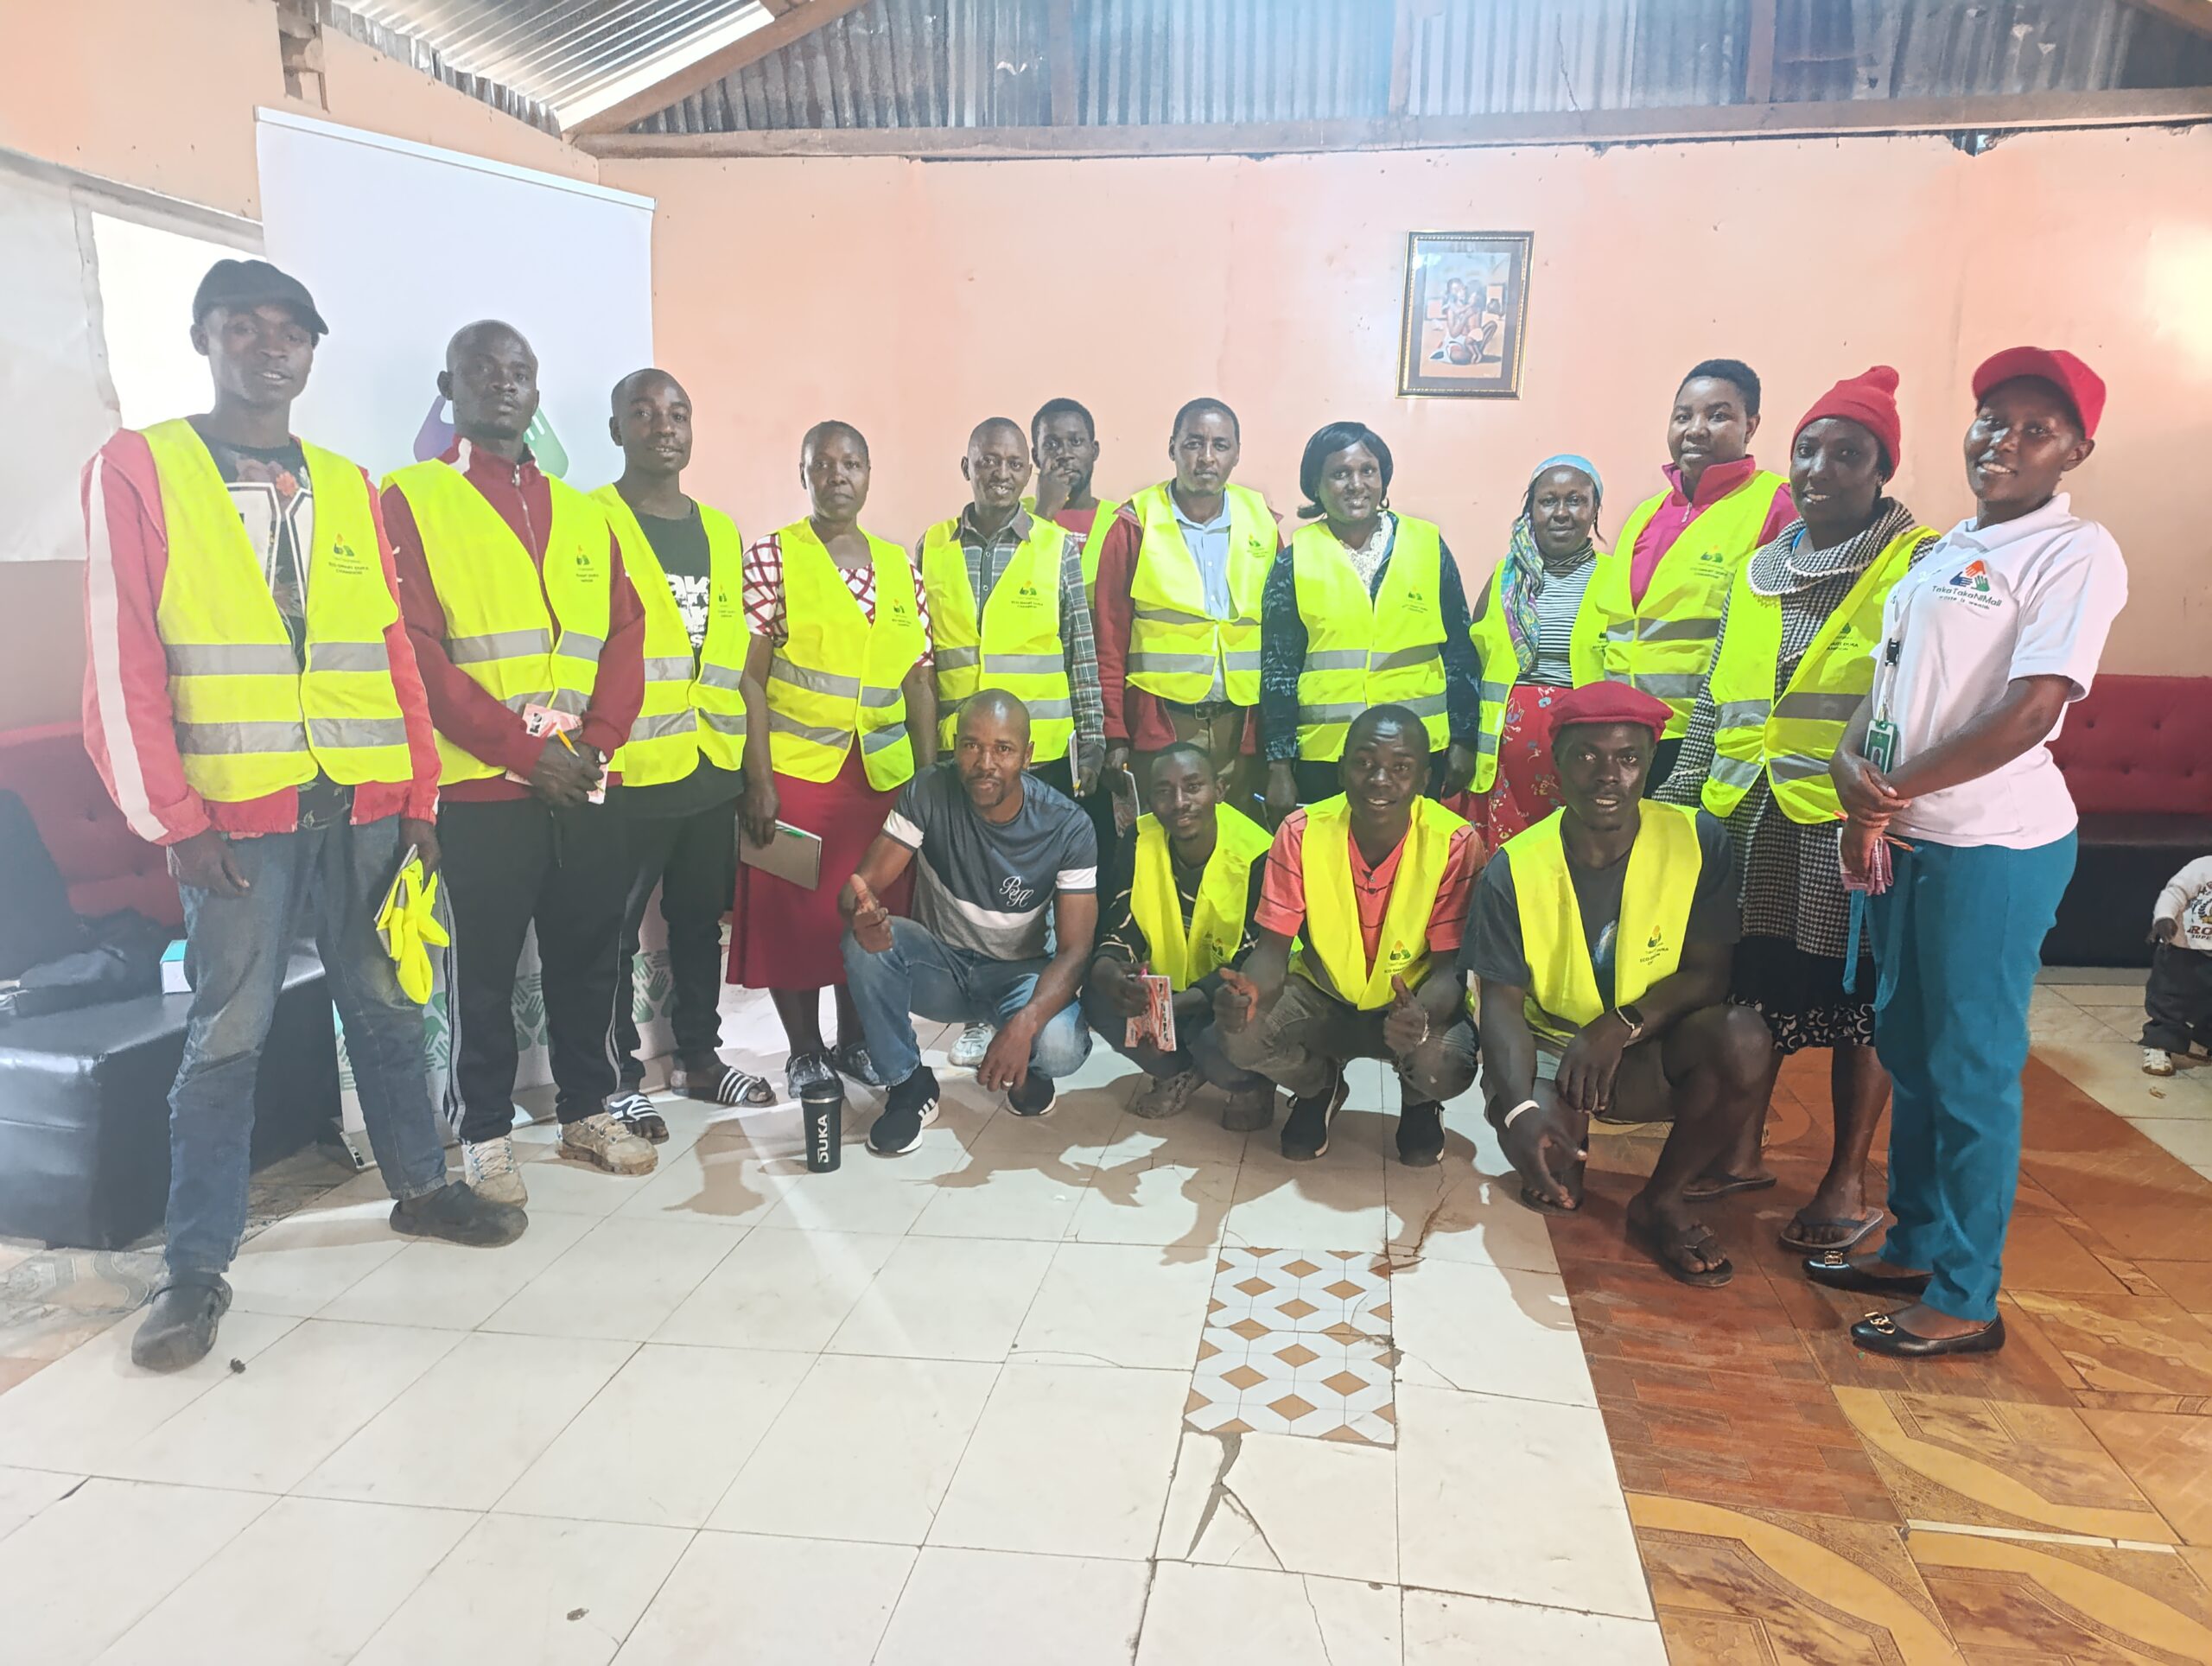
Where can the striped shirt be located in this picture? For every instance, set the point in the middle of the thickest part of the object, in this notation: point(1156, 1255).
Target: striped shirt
point(1557, 604)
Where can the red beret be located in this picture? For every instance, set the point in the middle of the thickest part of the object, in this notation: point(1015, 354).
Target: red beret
point(1871, 401)
point(2083, 388)
point(1611, 702)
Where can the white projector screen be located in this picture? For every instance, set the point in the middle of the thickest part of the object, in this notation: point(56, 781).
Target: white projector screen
point(403, 244)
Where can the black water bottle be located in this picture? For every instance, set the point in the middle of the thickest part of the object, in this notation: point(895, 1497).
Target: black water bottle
point(822, 1108)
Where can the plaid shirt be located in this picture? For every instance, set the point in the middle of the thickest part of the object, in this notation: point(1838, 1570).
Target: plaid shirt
point(987, 559)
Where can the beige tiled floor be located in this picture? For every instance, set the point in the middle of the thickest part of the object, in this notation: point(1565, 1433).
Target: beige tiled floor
point(922, 1411)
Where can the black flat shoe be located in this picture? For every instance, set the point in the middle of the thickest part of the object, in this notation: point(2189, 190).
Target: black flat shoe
point(1836, 1270)
point(1878, 1333)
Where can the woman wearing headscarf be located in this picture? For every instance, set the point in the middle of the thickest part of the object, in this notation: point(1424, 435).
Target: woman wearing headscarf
point(1790, 665)
point(1365, 608)
point(1983, 645)
point(1538, 633)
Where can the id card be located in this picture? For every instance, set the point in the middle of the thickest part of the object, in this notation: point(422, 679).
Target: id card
point(1882, 744)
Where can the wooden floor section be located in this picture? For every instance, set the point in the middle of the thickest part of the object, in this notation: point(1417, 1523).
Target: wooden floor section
point(1796, 1500)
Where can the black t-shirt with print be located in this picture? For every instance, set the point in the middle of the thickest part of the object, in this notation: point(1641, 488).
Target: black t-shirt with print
point(680, 546)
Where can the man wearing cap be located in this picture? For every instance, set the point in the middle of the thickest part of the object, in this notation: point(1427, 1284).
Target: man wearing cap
point(252, 702)
point(1358, 923)
point(1602, 936)
point(1679, 549)
point(1984, 642)
point(531, 642)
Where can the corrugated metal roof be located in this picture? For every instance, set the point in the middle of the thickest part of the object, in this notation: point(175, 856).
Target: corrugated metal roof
point(988, 63)
point(565, 59)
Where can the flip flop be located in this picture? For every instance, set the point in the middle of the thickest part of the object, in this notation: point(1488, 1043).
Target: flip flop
point(1700, 1191)
point(1543, 1206)
point(1648, 1234)
point(1859, 1226)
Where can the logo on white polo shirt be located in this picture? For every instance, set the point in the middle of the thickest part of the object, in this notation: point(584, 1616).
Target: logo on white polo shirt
point(1970, 584)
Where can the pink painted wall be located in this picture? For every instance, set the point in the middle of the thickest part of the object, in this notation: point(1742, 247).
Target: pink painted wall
point(915, 298)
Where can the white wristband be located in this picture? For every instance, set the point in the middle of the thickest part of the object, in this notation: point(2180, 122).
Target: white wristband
point(1526, 1104)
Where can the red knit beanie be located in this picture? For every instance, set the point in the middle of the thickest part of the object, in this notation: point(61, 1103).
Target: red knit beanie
point(1871, 401)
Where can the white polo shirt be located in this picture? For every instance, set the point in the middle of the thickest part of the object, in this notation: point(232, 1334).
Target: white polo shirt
point(2031, 597)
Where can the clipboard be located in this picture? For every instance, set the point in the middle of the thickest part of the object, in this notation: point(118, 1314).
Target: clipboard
point(793, 855)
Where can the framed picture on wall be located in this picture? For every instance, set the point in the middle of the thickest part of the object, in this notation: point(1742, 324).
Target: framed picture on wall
point(1466, 307)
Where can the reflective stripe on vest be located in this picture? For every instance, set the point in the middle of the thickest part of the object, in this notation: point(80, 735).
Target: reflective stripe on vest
point(1017, 647)
point(1663, 867)
point(250, 721)
point(1361, 651)
point(1332, 934)
point(1663, 643)
point(1501, 666)
point(815, 713)
point(1182, 954)
point(1175, 646)
point(1791, 737)
point(498, 631)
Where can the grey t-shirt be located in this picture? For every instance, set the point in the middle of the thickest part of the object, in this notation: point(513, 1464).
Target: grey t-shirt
point(1493, 950)
point(988, 887)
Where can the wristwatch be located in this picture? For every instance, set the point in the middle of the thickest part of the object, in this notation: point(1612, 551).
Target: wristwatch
point(1630, 1016)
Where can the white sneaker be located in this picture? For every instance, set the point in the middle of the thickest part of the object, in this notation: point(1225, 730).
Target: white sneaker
point(974, 1041)
point(2157, 1061)
point(488, 1170)
point(605, 1143)
point(1163, 1096)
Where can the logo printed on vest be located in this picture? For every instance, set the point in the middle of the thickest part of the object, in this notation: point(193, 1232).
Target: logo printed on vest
point(345, 559)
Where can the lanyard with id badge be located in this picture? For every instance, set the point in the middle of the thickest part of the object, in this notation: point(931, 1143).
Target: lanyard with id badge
point(1880, 751)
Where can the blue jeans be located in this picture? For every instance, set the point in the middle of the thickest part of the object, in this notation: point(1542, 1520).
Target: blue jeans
point(1959, 937)
point(235, 953)
point(917, 974)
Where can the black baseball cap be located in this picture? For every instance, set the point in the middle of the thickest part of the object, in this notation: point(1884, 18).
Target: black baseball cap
point(253, 284)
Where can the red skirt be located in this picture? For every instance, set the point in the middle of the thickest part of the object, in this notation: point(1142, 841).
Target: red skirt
point(783, 937)
point(1527, 787)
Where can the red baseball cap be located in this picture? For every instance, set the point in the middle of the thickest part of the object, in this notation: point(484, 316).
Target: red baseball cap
point(2083, 388)
point(1611, 702)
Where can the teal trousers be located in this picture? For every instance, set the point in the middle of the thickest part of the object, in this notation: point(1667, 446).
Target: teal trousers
point(1958, 937)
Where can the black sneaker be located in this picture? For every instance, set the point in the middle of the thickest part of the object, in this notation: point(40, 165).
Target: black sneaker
point(907, 1110)
point(459, 1215)
point(635, 1112)
point(1035, 1097)
point(180, 1326)
point(1305, 1130)
point(1421, 1133)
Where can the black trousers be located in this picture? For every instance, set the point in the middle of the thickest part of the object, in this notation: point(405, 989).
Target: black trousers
point(511, 863)
point(2178, 999)
point(693, 859)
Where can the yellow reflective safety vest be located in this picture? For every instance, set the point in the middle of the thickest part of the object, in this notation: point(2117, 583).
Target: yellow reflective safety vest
point(1792, 736)
point(839, 677)
point(1363, 650)
point(1332, 932)
point(1184, 955)
point(500, 633)
point(250, 720)
point(1501, 666)
point(1175, 646)
point(1017, 646)
point(692, 706)
point(1663, 643)
point(1663, 867)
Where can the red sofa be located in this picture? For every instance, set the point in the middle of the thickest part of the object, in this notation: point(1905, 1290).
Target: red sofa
point(106, 865)
point(2135, 756)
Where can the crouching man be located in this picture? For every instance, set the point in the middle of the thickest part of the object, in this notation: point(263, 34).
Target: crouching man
point(1182, 909)
point(1006, 901)
point(1359, 922)
point(1602, 937)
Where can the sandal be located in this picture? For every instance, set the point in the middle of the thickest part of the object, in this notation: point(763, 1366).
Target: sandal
point(731, 1087)
point(850, 1059)
point(1544, 1206)
point(1792, 1236)
point(810, 1069)
point(1727, 1185)
point(635, 1112)
point(1672, 1251)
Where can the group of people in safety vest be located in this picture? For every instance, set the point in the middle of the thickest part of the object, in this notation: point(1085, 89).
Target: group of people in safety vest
point(1600, 829)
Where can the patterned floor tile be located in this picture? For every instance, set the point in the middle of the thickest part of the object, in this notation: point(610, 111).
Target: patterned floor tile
point(2170, 1458)
point(1297, 1342)
point(2007, 1600)
point(2119, 1345)
point(1994, 1463)
point(1770, 1586)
